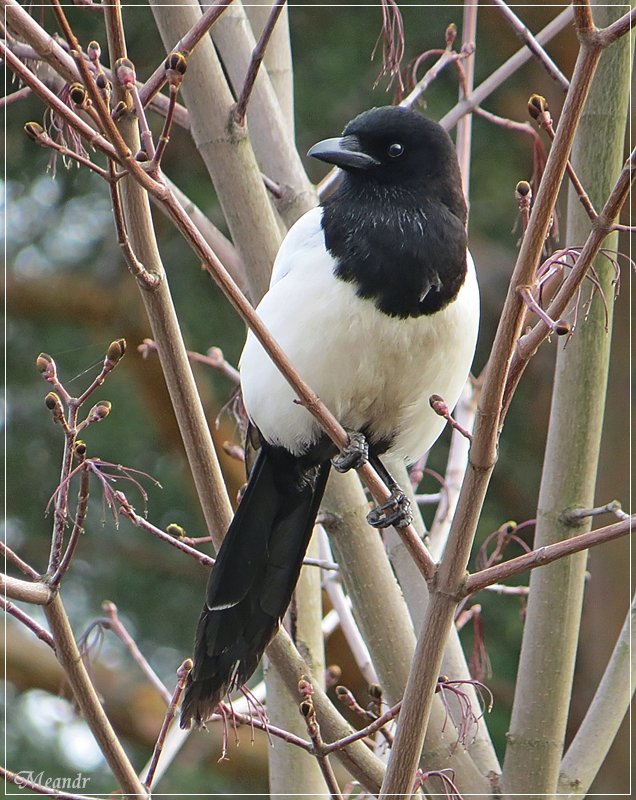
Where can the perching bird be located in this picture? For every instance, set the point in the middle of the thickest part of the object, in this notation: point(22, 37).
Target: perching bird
point(374, 299)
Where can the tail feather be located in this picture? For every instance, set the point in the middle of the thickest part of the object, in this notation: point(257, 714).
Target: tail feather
point(254, 576)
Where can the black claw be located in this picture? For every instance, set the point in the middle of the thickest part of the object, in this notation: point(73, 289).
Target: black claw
point(353, 455)
point(395, 512)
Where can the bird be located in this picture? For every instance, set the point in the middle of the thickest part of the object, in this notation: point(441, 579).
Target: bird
point(374, 299)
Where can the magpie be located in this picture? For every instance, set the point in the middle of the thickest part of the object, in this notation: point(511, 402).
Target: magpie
point(374, 298)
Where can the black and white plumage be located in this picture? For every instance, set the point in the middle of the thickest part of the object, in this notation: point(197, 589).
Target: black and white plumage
point(374, 299)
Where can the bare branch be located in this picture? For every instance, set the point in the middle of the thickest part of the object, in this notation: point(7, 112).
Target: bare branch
point(370, 729)
point(240, 109)
point(54, 102)
point(507, 69)
point(28, 621)
point(308, 711)
point(23, 782)
point(187, 43)
point(583, 16)
point(78, 530)
point(213, 358)
point(37, 593)
point(620, 27)
point(148, 280)
point(128, 511)
point(70, 658)
point(533, 45)
point(173, 703)
point(613, 507)
point(465, 124)
point(117, 627)
point(439, 613)
point(20, 94)
point(603, 225)
point(600, 724)
point(9, 555)
point(545, 555)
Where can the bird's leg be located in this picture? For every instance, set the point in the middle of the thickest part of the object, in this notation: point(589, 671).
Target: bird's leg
point(353, 455)
point(397, 509)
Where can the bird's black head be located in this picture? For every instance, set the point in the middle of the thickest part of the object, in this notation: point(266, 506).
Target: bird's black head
point(392, 145)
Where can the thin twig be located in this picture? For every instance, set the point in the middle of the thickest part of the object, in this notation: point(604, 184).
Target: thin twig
point(10, 555)
point(545, 555)
point(60, 512)
point(339, 601)
point(78, 530)
point(439, 406)
point(529, 342)
point(213, 358)
point(465, 124)
point(533, 45)
point(128, 511)
point(308, 711)
point(502, 589)
point(70, 658)
point(560, 327)
point(21, 780)
point(186, 43)
point(455, 470)
point(37, 133)
point(545, 121)
point(370, 729)
point(149, 280)
point(20, 94)
point(173, 702)
point(240, 109)
point(578, 514)
point(330, 566)
point(95, 139)
point(118, 628)
point(30, 623)
point(502, 73)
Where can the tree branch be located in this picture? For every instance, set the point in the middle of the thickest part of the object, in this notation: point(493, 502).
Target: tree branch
point(620, 27)
point(28, 622)
point(502, 73)
point(465, 124)
point(533, 45)
point(545, 555)
point(258, 54)
point(23, 782)
point(187, 43)
point(71, 660)
point(37, 593)
point(439, 615)
point(600, 724)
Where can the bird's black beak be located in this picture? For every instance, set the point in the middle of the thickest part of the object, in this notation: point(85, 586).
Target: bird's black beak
point(343, 151)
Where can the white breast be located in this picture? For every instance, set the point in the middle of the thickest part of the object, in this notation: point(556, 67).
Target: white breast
point(370, 370)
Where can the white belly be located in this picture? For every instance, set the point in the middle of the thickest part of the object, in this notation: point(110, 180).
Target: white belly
point(372, 371)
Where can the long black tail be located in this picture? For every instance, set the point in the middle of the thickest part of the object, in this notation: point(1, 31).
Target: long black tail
point(254, 576)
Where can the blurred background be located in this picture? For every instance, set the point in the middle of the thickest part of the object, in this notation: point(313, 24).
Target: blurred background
point(69, 294)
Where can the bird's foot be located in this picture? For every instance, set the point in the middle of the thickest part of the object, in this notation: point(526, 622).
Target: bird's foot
point(353, 455)
point(395, 512)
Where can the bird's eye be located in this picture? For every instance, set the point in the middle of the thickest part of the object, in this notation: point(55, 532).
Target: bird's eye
point(396, 149)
